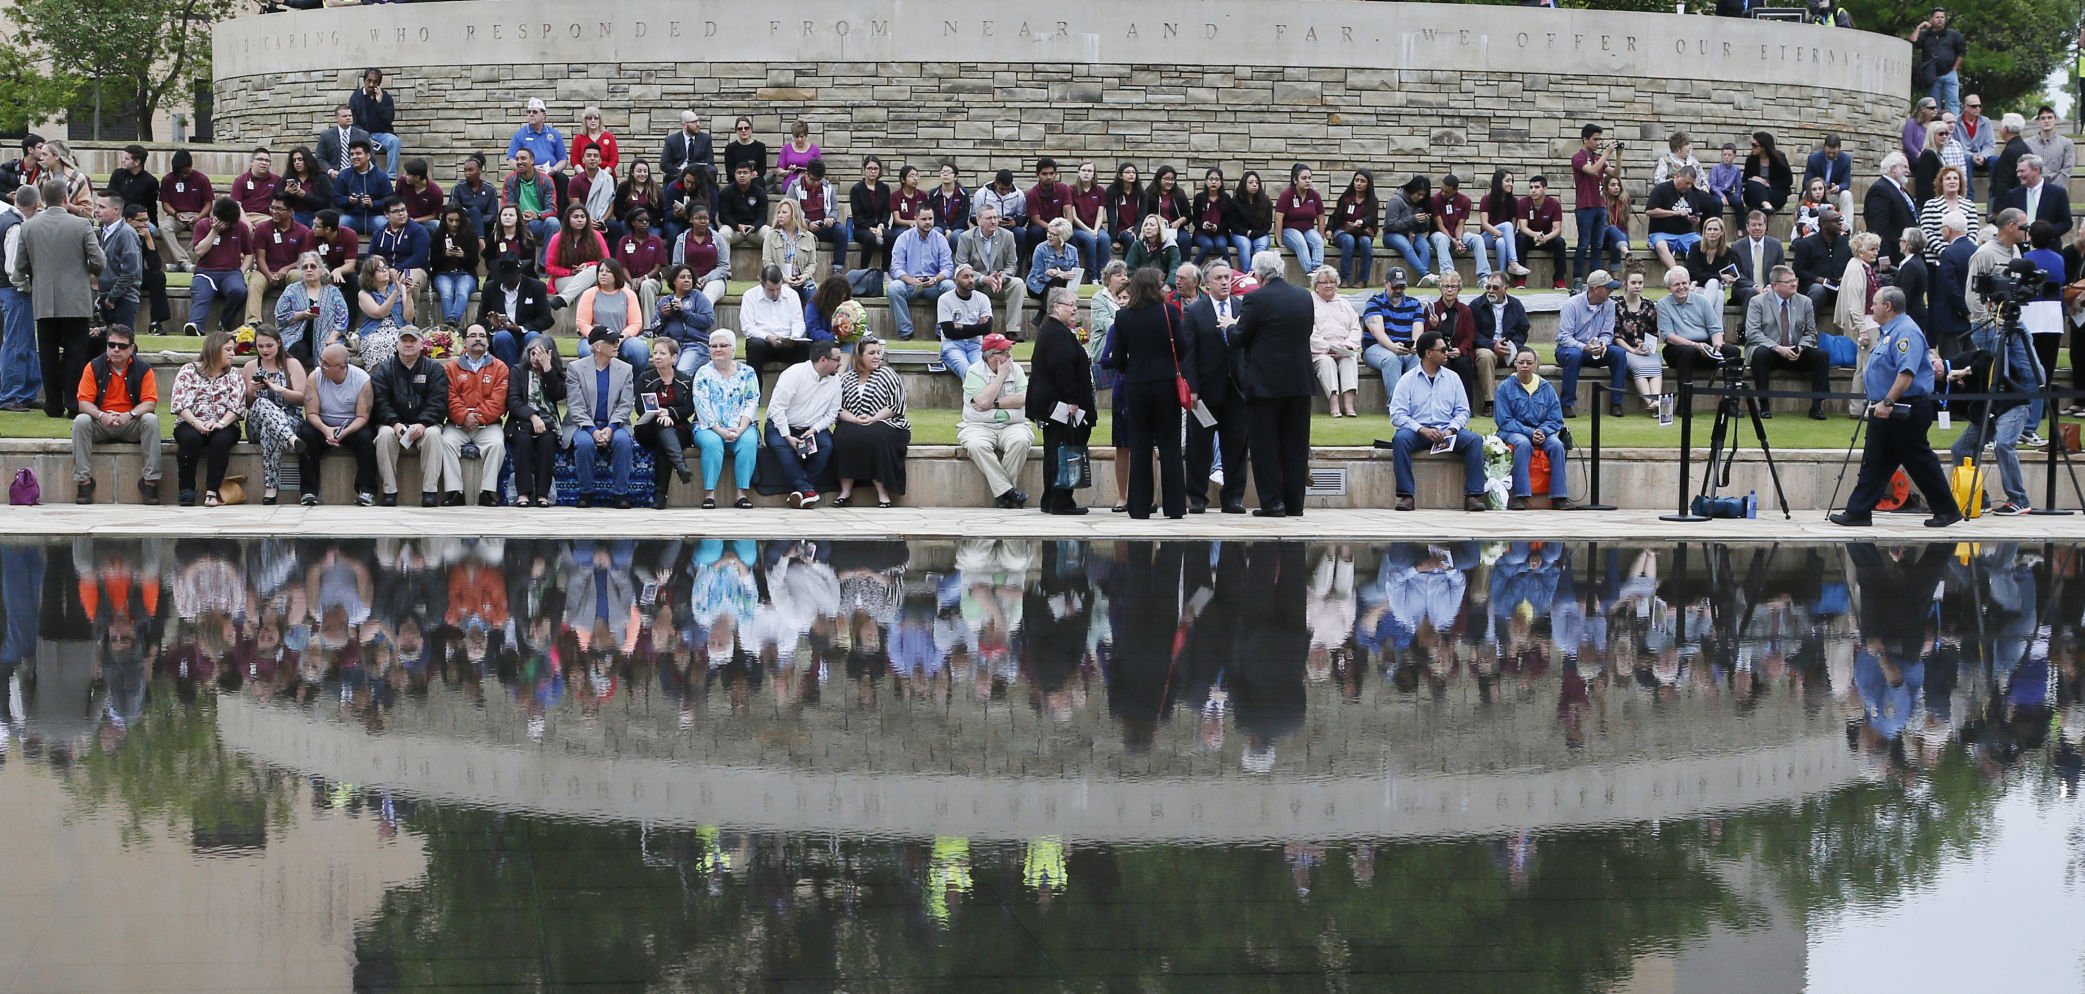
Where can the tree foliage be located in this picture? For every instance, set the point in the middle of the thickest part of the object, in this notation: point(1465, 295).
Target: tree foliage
point(149, 48)
point(2013, 44)
point(27, 93)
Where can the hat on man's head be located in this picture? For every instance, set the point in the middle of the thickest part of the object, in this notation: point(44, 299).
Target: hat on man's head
point(509, 265)
point(996, 343)
point(600, 334)
point(1601, 277)
point(1590, 130)
point(1397, 277)
point(536, 104)
point(408, 331)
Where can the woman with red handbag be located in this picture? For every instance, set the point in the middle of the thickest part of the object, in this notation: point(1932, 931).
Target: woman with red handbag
point(1153, 354)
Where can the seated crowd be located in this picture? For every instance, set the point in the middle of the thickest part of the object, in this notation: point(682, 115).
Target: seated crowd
point(361, 250)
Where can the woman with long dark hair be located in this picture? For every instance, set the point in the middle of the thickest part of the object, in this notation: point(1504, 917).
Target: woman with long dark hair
point(1501, 210)
point(455, 264)
point(1169, 202)
point(1125, 208)
point(1299, 213)
point(573, 258)
point(1767, 179)
point(1150, 352)
point(1353, 227)
point(305, 186)
point(1215, 215)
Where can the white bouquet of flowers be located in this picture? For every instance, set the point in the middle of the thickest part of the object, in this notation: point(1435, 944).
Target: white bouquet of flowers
point(1498, 471)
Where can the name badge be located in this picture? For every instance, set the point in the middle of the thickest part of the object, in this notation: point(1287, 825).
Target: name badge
point(629, 248)
point(180, 188)
point(249, 185)
point(278, 238)
point(420, 378)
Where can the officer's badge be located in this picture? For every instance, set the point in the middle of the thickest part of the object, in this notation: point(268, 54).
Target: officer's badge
point(1903, 345)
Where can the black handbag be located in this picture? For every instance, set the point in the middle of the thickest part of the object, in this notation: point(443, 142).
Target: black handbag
point(1073, 470)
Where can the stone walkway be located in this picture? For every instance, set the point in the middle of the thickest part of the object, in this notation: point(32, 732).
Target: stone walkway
point(950, 523)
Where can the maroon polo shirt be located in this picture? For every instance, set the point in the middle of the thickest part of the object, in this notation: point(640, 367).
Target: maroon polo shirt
point(1544, 216)
point(188, 194)
point(253, 192)
point(1046, 202)
point(639, 257)
point(1089, 203)
point(342, 249)
point(231, 249)
point(280, 248)
point(421, 203)
point(908, 205)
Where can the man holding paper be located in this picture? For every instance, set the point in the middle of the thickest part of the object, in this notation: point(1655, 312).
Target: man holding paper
point(1431, 411)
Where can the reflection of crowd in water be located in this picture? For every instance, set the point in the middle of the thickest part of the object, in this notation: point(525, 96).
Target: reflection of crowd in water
point(1918, 645)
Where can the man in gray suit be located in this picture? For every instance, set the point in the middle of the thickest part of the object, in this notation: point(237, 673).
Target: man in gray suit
point(56, 263)
point(124, 271)
point(1757, 255)
point(1781, 333)
point(989, 250)
point(597, 416)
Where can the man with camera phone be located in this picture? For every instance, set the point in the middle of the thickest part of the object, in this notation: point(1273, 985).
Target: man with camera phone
point(1781, 334)
point(1898, 384)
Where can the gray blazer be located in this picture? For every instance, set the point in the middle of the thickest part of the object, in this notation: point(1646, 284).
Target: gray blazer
point(1763, 321)
point(970, 251)
point(1771, 255)
point(125, 268)
point(580, 396)
point(56, 263)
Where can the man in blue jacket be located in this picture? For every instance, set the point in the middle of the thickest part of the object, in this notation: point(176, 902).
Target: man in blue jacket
point(1530, 416)
point(360, 190)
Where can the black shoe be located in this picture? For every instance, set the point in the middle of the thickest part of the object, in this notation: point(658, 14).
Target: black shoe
point(1614, 410)
point(1271, 511)
point(387, 500)
point(149, 490)
point(1845, 520)
point(1817, 414)
point(488, 499)
point(682, 472)
point(430, 498)
point(187, 498)
point(1405, 503)
point(309, 500)
point(1072, 511)
point(1766, 414)
point(453, 498)
point(1201, 507)
point(659, 500)
point(1942, 520)
point(83, 491)
point(1020, 498)
point(622, 503)
point(1234, 509)
point(586, 500)
point(268, 501)
point(1570, 411)
point(557, 303)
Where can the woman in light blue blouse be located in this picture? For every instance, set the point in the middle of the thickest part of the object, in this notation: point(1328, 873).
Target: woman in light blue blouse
point(311, 313)
point(727, 395)
point(1056, 262)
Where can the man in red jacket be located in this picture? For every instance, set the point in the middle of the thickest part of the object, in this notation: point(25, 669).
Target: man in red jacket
point(477, 403)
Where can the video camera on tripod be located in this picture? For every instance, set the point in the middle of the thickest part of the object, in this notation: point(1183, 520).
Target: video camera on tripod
point(2019, 283)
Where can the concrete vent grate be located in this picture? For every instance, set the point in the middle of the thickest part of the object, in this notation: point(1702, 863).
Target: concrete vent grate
point(1326, 483)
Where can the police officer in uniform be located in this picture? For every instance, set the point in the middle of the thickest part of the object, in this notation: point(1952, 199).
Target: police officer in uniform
point(1899, 373)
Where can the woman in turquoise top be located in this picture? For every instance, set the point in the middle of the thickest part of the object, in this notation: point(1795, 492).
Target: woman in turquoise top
point(727, 395)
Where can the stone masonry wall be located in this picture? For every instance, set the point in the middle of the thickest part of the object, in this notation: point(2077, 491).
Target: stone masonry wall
point(989, 116)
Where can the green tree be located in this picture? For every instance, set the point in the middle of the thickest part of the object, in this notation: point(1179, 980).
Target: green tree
point(148, 49)
point(2013, 44)
point(27, 93)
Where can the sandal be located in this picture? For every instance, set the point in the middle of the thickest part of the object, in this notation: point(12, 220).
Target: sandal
point(885, 504)
point(743, 503)
point(210, 499)
point(1119, 508)
point(542, 502)
point(843, 501)
point(709, 503)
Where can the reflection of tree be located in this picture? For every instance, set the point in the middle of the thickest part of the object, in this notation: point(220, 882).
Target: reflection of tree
point(169, 768)
point(1867, 844)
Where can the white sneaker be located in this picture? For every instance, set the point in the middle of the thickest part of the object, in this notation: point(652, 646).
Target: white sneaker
point(1429, 280)
point(2034, 440)
point(1216, 477)
point(1516, 269)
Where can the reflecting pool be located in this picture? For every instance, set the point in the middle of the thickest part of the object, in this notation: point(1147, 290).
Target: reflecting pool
point(981, 765)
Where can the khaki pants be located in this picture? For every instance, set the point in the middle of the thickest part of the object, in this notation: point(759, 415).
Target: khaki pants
point(491, 441)
point(573, 286)
point(998, 451)
point(179, 235)
point(143, 432)
point(432, 455)
point(1487, 375)
point(1013, 296)
point(260, 290)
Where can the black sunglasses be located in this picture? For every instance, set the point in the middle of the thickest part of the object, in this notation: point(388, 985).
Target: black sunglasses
point(121, 346)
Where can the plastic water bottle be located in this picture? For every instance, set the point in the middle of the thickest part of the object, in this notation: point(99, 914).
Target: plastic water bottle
point(1752, 504)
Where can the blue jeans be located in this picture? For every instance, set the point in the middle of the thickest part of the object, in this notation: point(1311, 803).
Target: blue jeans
point(1615, 242)
point(508, 349)
point(1503, 242)
point(1418, 255)
point(542, 228)
point(801, 469)
point(454, 290)
point(902, 295)
point(1524, 453)
point(1443, 250)
point(2005, 436)
point(1208, 245)
point(1592, 223)
point(1354, 249)
point(1947, 92)
point(1093, 249)
point(621, 449)
point(1246, 248)
point(388, 144)
point(959, 354)
point(637, 351)
point(1391, 365)
point(745, 455)
point(21, 375)
point(227, 285)
point(1468, 447)
point(1309, 247)
point(690, 358)
point(1574, 359)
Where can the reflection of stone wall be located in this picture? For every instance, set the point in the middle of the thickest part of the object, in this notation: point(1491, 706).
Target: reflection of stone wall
point(1148, 83)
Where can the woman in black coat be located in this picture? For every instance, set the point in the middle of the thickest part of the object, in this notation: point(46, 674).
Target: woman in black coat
point(665, 412)
point(1911, 275)
point(1061, 373)
point(1150, 350)
point(535, 395)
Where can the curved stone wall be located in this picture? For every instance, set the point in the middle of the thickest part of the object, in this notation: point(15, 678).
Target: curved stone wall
point(1401, 87)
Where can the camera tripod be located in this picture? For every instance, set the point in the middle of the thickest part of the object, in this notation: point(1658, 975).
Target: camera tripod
point(1730, 373)
point(2000, 380)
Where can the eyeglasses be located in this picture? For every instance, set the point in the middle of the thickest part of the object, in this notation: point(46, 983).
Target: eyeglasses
point(745, 127)
point(121, 346)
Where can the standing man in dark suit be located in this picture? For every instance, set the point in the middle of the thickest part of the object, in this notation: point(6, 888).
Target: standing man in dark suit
point(1887, 209)
point(2041, 201)
point(2005, 170)
point(56, 263)
point(1211, 321)
point(1948, 308)
point(690, 144)
point(1757, 255)
point(1273, 337)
